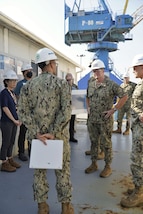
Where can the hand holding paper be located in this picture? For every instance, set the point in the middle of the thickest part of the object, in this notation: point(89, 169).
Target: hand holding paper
point(44, 137)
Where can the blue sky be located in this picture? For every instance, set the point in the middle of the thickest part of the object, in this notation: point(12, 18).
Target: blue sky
point(45, 18)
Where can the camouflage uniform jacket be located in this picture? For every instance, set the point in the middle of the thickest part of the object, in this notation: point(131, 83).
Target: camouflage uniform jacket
point(101, 98)
point(45, 105)
point(129, 89)
point(137, 103)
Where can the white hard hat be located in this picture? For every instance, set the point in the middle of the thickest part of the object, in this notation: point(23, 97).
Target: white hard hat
point(10, 74)
point(26, 67)
point(97, 64)
point(45, 55)
point(137, 60)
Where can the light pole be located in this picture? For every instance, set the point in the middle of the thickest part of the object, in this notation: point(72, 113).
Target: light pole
point(81, 55)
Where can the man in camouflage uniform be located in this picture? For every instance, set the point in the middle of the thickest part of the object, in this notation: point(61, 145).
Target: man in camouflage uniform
point(135, 197)
point(126, 109)
point(100, 94)
point(88, 152)
point(45, 109)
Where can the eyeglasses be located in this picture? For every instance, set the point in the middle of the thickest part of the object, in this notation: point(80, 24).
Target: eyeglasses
point(69, 80)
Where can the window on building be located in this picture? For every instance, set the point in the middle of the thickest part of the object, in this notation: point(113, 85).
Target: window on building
point(9, 63)
point(1, 61)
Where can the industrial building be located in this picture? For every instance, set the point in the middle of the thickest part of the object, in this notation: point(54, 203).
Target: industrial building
point(18, 46)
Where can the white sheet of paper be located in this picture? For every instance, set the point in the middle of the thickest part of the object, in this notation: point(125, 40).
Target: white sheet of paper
point(48, 156)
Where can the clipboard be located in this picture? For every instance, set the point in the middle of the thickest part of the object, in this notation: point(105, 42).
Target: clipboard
point(48, 156)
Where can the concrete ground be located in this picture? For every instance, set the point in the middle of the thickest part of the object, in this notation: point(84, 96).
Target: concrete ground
point(91, 194)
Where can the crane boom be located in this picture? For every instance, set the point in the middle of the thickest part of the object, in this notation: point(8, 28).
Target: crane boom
point(125, 7)
point(104, 5)
point(77, 4)
point(137, 16)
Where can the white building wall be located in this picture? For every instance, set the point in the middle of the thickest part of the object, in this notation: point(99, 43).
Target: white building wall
point(19, 48)
point(22, 47)
point(66, 67)
point(1, 39)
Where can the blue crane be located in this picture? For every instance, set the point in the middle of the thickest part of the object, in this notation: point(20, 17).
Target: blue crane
point(98, 29)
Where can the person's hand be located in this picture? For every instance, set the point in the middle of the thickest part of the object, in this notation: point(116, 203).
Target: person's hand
point(44, 137)
point(141, 118)
point(20, 123)
point(108, 113)
point(17, 122)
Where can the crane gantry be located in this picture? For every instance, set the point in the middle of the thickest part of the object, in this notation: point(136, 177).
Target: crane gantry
point(98, 29)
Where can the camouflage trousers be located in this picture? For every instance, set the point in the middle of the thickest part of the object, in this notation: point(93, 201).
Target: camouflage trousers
point(89, 131)
point(100, 136)
point(63, 183)
point(121, 113)
point(137, 154)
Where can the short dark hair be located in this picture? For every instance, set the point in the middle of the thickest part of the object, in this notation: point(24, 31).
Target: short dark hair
point(5, 82)
point(42, 65)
